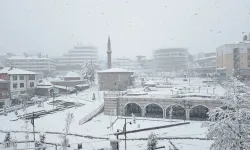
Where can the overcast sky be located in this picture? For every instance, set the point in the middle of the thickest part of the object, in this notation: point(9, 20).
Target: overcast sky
point(136, 27)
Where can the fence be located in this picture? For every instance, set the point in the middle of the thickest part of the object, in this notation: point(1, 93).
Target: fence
point(92, 115)
point(114, 93)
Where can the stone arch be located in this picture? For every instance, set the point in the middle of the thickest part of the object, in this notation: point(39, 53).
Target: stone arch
point(178, 112)
point(153, 110)
point(133, 108)
point(199, 112)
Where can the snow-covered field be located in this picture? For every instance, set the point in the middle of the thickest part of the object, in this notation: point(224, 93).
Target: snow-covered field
point(98, 126)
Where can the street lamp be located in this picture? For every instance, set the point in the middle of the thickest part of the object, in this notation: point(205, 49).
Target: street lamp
point(125, 130)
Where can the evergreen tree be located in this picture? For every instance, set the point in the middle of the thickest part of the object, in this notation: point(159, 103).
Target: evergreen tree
point(152, 141)
point(7, 139)
point(230, 125)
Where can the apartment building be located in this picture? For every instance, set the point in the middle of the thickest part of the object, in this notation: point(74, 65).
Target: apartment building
point(32, 63)
point(20, 81)
point(170, 59)
point(234, 58)
point(76, 58)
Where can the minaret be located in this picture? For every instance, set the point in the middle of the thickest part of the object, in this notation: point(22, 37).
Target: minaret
point(109, 53)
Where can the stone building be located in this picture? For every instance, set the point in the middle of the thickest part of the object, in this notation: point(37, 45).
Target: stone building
point(115, 79)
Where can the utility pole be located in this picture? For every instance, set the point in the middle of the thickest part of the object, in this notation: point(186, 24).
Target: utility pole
point(33, 124)
point(66, 90)
point(53, 96)
point(117, 137)
point(125, 133)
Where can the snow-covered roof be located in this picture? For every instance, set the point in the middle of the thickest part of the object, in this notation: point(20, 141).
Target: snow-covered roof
point(82, 85)
point(64, 87)
point(72, 74)
point(10, 70)
point(206, 58)
point(3, 81)
point(114, 70)
point(23, 57)
point(45, 83)
point(150, 83)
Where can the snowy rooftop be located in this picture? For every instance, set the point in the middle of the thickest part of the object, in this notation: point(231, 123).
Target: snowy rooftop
point(177, 88)
point(114, 70)
point(150, 83)
point(23, 57)
point(3, 81)
point(72, 74)
point(206, 58)
point(9, 70)
point(45, 83)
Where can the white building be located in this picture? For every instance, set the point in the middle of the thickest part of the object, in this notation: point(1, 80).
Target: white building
point(19, 80)
point(75, 58)
point(170, 59)
point(32, 63)
point(126, 63)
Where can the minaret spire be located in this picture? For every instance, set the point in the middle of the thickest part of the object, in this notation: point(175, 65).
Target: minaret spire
point(109, 52)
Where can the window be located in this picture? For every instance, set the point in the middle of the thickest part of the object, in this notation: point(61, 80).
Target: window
point(248, 50)
point(14, 85)
point(31, 84)
point(21, 85)
point(14, 77)
point(115, 83)
point(31, 77)
point(21, 77)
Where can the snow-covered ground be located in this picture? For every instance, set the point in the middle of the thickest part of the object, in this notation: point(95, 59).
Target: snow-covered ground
point(98, 127)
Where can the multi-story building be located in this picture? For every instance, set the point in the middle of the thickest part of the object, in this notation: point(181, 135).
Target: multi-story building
point(32, 63)
point(20, 81)
point(205, 63)
point(76, 58)
point(234, 58)
point(170, 59)
point(4, 93)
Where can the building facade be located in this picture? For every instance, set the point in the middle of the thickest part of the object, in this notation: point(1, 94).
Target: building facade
point(115, 79)
point(235, 58)
point(4, 93)
point(171, 59)
point(20, 81)
point(32, 63)
point(75, 58)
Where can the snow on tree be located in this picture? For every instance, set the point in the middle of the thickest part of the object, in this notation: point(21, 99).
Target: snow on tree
point(88, 72)
point(7, 140)
point(68, 120)
point(14, 143)
point(38, 144)
point(152, 141)
point(230, 125)
point(41, 143)
point(42, 137)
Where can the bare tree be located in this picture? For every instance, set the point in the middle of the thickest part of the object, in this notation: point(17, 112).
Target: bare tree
point(68, 121)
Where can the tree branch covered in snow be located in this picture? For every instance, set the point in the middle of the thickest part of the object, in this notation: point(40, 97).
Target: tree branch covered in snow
point(68, 121)
point(230, 125)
